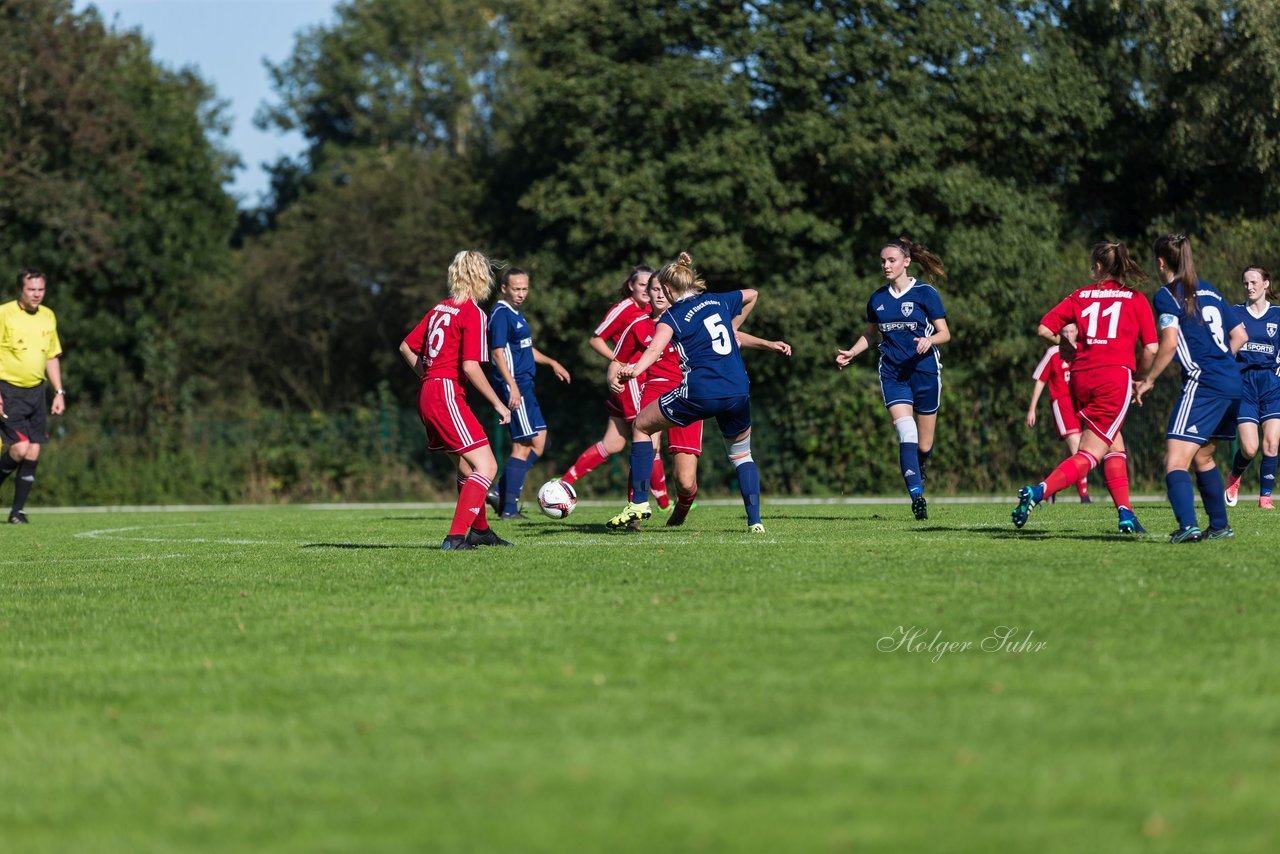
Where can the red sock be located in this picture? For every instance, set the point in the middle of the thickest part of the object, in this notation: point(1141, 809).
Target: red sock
point(590, 458)
point(1115, 468)
point(1082, 486)
point(658, 482)
point(470, 508)
point(1073, 468)
point(683, 503)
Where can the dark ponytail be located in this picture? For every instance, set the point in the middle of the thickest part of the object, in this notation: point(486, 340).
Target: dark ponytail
point(1113, 263)
point(1175, 251)
point(930, 263)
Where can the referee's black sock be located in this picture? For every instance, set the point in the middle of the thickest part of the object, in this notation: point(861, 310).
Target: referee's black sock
point(7, 466)
point(22, 486)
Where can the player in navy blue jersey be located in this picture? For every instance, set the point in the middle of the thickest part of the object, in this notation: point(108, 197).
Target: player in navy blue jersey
point(1260, 400)
point(911, 322)
point(1201, 329)
point(515, 361)
point(703, 328)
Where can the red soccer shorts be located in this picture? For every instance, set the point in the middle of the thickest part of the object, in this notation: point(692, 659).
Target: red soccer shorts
point(1101, 398)
point(680, 440)
point(626, 403)
point(1064, 417)
point(450, 424)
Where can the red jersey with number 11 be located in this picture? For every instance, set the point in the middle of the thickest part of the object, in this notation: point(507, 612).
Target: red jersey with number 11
point(1112, 318)
point(450, 334)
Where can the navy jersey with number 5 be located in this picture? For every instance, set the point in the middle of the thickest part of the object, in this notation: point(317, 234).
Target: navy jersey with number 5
point(902, 319)
point(702, 333)
point(1203, 348)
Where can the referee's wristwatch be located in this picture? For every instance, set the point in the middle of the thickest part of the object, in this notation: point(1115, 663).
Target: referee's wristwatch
point(61, 391)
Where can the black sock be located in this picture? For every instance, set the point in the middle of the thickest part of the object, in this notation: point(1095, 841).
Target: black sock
point(7, 466)
point(22, 486)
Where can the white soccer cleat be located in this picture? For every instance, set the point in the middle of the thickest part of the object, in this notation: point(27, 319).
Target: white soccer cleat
point(757, 528)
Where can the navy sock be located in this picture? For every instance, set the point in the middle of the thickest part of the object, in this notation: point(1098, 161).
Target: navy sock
point(512, 481)
point(1182, 497)
point(909, 460)
point(1215, 503)
point(1268, 474)
point(641, 471)
point(8, 465)
point(1239, 463)
point(749, 486)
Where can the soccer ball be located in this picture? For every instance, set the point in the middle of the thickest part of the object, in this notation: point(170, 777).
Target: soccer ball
point(557, 499)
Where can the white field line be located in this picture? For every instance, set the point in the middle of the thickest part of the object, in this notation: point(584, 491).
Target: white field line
point(856, 500)
point(93, 559)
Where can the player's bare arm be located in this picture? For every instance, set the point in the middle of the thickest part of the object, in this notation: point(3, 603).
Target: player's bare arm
point(938, 338)
point(1035, 400)
point(558, 369)
point(602, 347)
point(749, 298)
point(661, 338)
point(748, 341)
point(1238, 338)
point(1164, 355)
point(844, 357)
point(476, 375)
point(411, 359)
point(498, 355)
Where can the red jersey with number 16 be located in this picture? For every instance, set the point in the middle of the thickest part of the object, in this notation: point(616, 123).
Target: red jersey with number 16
point(1113, 320)
point(450, 334)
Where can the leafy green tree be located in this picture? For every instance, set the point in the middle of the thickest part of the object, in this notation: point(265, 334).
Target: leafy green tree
point(113, 185)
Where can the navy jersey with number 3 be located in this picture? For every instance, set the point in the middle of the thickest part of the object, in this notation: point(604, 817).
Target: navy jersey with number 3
point(1203, 348)
point(702, 333)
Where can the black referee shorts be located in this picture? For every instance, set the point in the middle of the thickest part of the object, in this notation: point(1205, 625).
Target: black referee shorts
point(27, 419)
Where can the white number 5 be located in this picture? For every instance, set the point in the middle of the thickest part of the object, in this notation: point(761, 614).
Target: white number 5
point(720, 342)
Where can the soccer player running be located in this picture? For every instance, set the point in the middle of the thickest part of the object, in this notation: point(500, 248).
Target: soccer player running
point(624, 405)
point(1199, 326)
point(714, 385)
point(1260, 378)
point(1055, 372)
point(1113, 318)
point(515, 361)
point(662, 377)
point(912, 323)
point(445, 349)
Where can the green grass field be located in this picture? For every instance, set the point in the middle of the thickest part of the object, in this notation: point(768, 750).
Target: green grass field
point(297, 679)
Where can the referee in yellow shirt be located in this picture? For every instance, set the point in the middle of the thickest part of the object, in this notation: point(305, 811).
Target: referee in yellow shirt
point(29, 350)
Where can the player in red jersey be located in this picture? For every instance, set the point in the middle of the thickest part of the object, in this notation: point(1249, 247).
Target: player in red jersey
point(663, 376)
point(445, 349)
point(621, 406)
point(1113, 319)
point(1055, 372)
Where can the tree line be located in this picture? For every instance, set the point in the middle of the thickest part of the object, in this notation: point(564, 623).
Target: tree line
point(252, 353)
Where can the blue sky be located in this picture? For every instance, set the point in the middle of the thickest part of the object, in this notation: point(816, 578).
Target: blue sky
point(227, 41)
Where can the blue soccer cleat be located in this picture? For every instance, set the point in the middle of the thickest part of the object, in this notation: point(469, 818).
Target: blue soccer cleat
point(1129, 523)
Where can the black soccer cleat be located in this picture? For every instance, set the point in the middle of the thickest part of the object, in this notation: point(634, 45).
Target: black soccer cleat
point(1218, 533)
point(17, 517)
point(487, 537)
point(920, 507)
point(494, 499)
point(1189, 534)
point(514, 517)
point(456, 543)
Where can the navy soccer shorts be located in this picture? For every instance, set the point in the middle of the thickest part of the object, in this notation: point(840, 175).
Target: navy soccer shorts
point(733, 414)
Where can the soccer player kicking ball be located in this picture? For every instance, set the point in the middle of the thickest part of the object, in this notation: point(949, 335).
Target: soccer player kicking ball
point(715, 385)
point(1113, 318)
